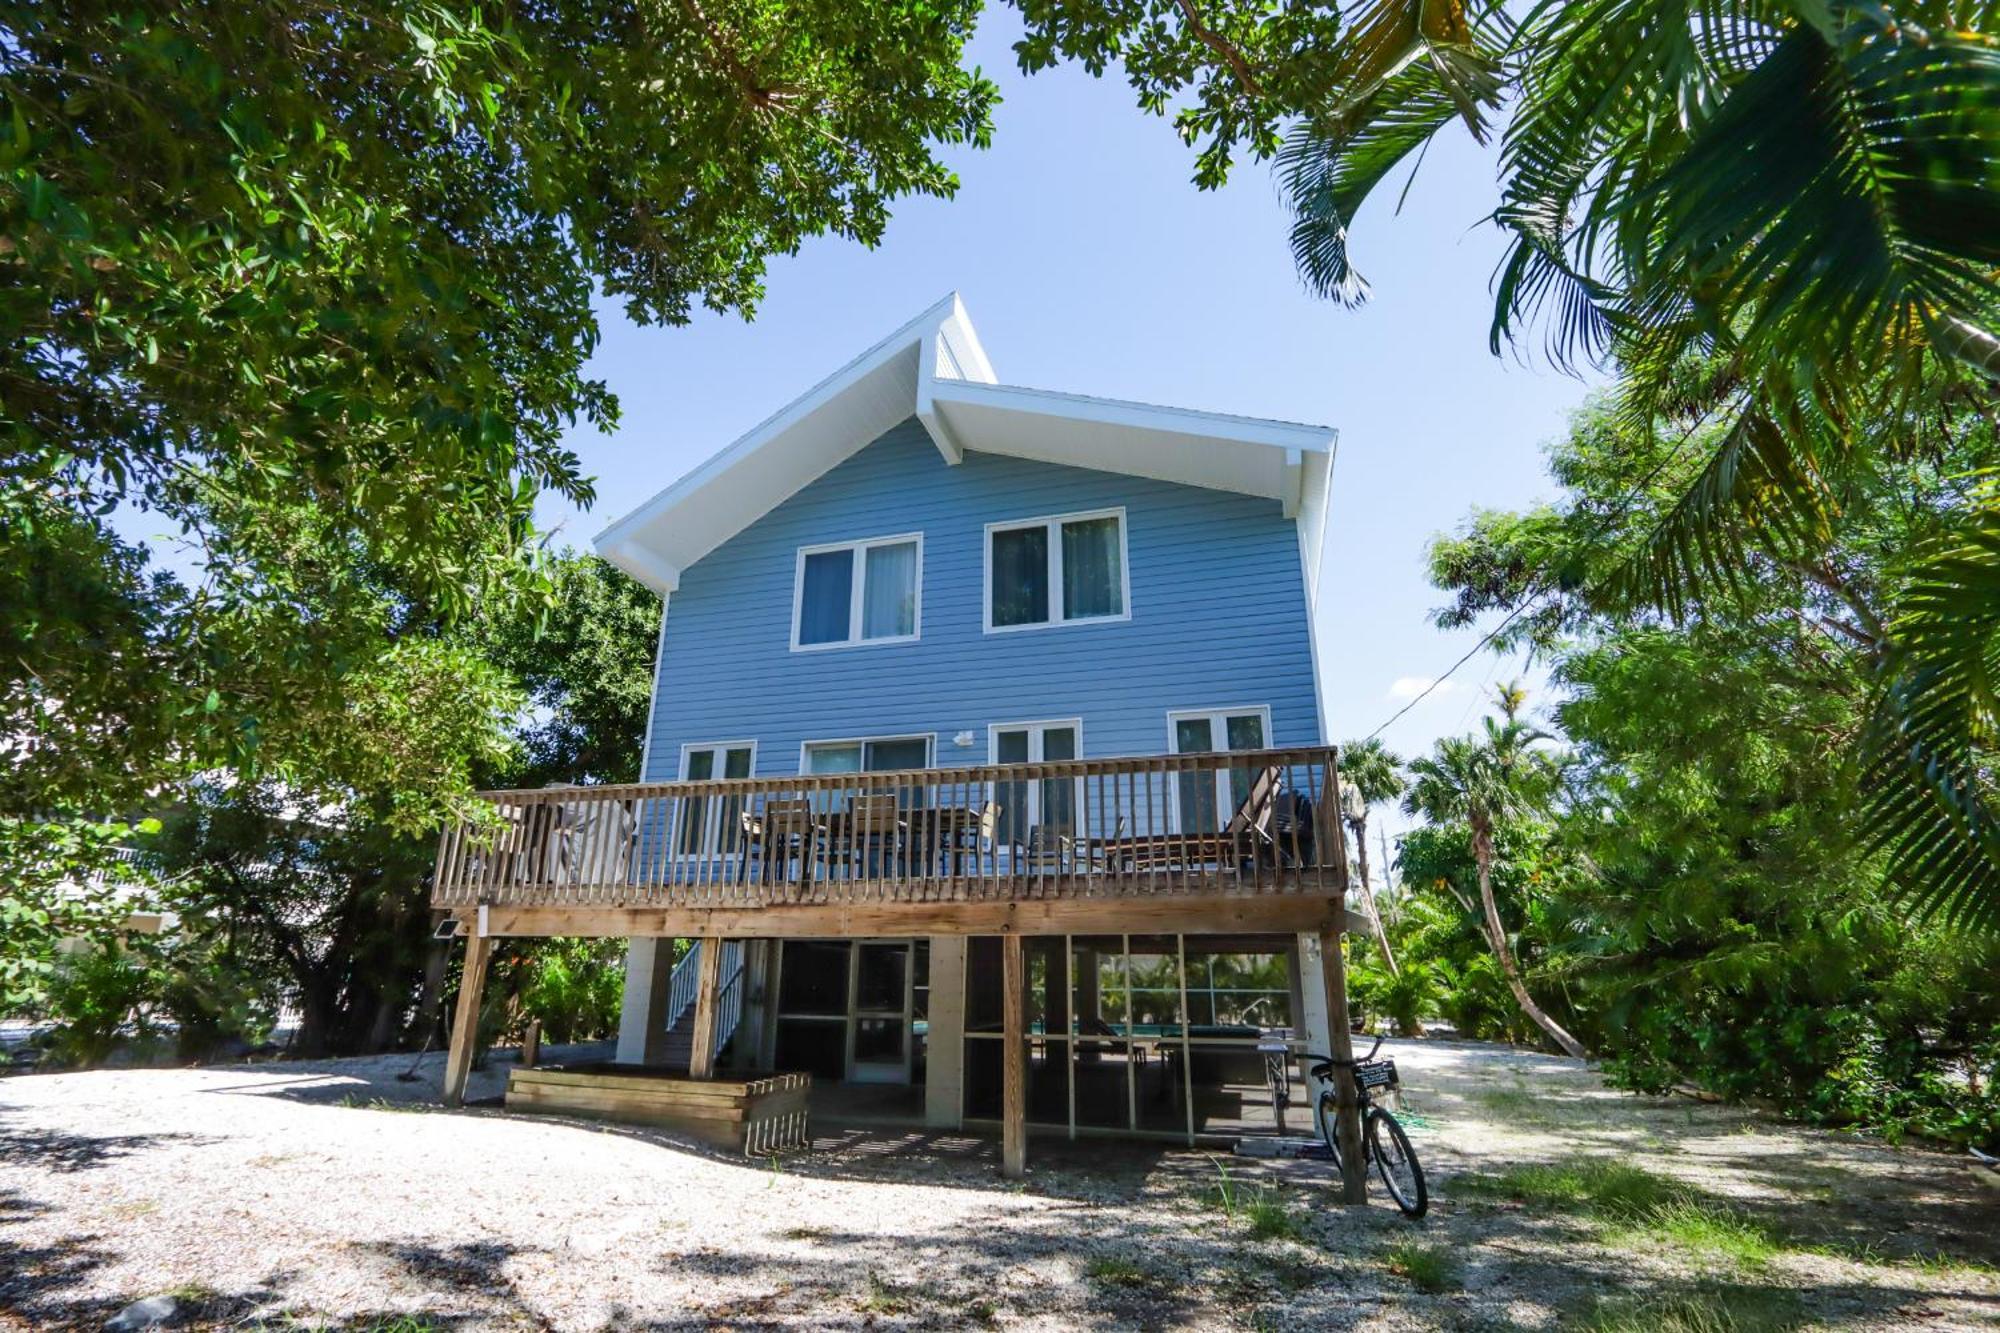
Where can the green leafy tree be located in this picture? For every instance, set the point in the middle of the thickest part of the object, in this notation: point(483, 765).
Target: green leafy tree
point(585, 660)
point(312, 288)
point(1800, 199)
point(1719, 913)
point(1481, 781)
point(1374, 774)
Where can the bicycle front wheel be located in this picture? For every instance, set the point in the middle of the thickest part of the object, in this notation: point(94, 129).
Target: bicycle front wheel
point(1396, 1163)
point(1326, 1114)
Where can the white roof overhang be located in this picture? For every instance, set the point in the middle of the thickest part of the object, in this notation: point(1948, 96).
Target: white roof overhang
point(934, 368)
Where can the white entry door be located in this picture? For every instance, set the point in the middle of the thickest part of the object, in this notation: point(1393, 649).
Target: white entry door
point(1051, 801)
point(879, 1035)
point(709, 825)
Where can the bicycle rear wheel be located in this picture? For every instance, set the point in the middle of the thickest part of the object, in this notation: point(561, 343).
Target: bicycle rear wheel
point(1396, 1163)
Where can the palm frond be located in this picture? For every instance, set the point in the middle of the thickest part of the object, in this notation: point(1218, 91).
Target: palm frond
point(1843, 195)
point(1764, 488)
point(1931, 743)
point(1328, 169)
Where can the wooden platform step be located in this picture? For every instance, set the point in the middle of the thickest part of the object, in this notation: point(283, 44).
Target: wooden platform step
point(753, 1114)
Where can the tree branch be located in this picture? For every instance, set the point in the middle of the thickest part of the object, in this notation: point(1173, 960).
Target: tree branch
point(1215, 42)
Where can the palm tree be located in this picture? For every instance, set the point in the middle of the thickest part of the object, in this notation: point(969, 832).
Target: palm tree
point(1480, 781)
point(1805, 193)
point(1370, 773)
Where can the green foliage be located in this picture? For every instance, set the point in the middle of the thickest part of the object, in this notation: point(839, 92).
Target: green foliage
point(585, 660)
point(311, 289)
point(1707, 902)
point(308, 902)
point(60, 885)
point(101, 998)
point(575, 988)
point(1430, 1268)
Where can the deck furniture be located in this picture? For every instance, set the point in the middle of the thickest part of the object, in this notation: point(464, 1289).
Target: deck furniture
point(785, 832)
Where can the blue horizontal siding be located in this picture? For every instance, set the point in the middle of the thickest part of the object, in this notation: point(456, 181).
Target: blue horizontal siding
point(1218, 617)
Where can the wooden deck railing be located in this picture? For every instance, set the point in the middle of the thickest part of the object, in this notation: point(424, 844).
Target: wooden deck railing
point(1246, 822)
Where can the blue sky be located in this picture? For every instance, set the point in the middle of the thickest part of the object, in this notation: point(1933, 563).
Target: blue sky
point(1089, 263)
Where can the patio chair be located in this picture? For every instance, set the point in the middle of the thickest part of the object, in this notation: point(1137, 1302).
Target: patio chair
point(785, 830)
point(871, 823)
point(1049, 849)
point(1248, 832)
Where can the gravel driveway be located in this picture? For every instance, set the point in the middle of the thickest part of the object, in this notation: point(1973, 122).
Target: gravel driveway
point(332, 1194)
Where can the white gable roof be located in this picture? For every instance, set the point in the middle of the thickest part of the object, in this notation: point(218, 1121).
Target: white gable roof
point(934, 368)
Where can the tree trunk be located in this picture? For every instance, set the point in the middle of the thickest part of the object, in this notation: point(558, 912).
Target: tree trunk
point(1360, 827)
point(1496, 935)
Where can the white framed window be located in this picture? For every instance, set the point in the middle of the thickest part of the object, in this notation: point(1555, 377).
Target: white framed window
point(871, 591)
point(1064, 569)
point(1201, 805)
point(1049, 801)
point(711, 824)
point(867, 754)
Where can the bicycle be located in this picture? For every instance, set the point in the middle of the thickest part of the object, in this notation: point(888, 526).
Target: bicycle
point(1395, 1161)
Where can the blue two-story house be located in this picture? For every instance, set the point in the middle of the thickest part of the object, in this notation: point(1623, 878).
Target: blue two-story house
point(969, 698)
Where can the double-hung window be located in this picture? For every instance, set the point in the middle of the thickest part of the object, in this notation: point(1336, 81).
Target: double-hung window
point(859, 592)
point(1062, 570)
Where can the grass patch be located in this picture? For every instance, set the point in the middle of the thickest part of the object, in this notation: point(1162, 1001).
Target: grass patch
point(1512, 1103)
point(806, 1233)
point(1638, 1206)
point(409, 1323)
point(356, 1102)
point(1612, 1188)
point(1739, 1310)
point(1939, 1263)
point(1109, 1270)
point(887, 1298)
point(1428, 1268)
point(1714, 1232)
point(1271, 1218)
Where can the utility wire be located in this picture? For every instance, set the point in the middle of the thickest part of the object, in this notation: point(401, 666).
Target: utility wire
point(1623, 508)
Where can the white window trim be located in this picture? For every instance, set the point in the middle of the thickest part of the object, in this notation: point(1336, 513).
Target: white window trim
point(993, 730)
point(857, 588)
point(1217, 718)
point(688, 747)
point(1057, 619)
point(929, 738)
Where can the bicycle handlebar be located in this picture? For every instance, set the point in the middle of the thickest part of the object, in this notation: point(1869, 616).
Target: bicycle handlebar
point(1328, 1062)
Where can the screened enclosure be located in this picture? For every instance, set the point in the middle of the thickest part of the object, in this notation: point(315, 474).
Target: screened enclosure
point(1147, 1034)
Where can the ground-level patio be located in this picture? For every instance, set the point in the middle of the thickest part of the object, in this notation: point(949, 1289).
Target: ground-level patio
point(334, 1193)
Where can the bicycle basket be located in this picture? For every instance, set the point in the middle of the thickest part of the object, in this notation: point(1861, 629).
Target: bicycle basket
point(1377, 1074)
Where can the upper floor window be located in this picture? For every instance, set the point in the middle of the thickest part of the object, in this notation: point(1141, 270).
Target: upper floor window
point(867, 591)
point(1057, 570)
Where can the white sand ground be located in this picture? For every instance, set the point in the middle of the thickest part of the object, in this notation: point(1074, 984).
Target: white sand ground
point(332, 1195)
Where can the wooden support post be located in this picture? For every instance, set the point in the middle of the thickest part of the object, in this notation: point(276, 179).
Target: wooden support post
point(701, 1055)
point(531, 1044)
point(1347, 1125)
point(1014, 1060)
point(465, 1021)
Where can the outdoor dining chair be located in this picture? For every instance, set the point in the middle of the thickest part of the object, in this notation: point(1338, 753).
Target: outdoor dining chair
point(787, 830)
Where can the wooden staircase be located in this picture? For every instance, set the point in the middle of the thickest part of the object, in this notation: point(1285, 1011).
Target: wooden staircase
point(678, 1050)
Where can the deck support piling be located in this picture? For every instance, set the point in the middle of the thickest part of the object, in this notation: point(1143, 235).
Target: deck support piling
point(465, 1020)
point(1014, 1062)
point(1347, 1125)
point(701, 1054)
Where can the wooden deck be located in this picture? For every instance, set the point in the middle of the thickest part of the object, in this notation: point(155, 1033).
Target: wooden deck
point(1251, 836)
